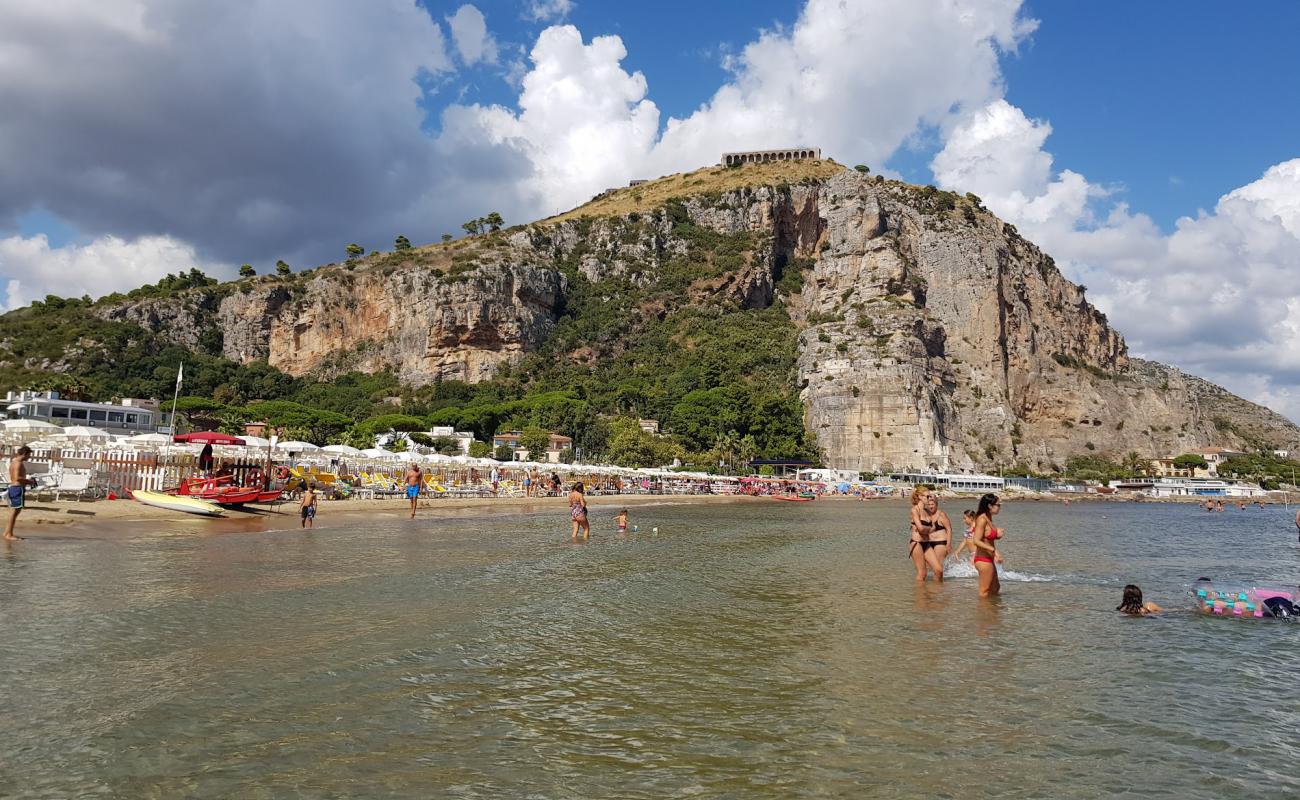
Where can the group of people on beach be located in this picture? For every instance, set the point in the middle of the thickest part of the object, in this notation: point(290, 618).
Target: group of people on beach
point(930, 543)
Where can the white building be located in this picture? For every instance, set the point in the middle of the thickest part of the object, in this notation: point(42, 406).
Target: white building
point(463, 439)
point(956, 481)
point(1190, 487)
point(130, 416)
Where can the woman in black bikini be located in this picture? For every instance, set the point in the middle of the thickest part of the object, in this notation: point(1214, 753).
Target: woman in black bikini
point(931, 532)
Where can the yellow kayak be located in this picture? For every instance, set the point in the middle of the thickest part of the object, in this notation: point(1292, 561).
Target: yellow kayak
point(171, 502)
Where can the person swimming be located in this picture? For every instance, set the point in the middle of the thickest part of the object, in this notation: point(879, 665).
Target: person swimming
point(1131, 603)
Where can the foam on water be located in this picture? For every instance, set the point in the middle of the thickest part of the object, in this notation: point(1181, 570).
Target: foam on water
point(965, 569)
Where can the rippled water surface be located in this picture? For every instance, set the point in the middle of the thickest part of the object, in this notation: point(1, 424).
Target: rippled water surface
point(755, 650)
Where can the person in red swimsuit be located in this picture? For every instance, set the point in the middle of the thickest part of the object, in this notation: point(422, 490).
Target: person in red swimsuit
point(984, 538)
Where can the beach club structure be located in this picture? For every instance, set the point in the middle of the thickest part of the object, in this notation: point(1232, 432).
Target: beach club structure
point(130, 416)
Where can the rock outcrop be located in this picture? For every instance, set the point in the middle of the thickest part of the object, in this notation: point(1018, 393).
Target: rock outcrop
point(931, 335)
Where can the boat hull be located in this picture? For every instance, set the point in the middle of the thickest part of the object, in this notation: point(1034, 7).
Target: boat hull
point(171, 502)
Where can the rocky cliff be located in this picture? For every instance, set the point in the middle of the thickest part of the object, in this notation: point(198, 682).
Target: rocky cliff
point(930, 334)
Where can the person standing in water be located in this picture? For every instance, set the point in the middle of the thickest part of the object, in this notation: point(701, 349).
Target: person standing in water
point(413, 480)
point(931, 532)
point(307, 509)
point(578, 512)
point(984, 537)
point(16, 494)
point(968, 519)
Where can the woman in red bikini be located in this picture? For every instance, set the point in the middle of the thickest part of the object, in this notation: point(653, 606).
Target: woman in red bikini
point(984, 538)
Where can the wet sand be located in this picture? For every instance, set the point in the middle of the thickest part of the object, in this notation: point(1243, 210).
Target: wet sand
point(72, 517)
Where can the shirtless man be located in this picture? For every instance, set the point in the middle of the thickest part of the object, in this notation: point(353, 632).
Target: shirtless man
point(17, 492)
point(413, 480)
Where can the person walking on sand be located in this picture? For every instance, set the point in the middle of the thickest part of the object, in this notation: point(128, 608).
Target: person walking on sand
point(414, 477)
point(307, 510)
point(984, 535)
point(495, 479)
point(578, 512)
point(17, 491)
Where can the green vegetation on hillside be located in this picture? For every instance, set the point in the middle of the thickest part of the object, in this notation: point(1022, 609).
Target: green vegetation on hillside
point(659, 342)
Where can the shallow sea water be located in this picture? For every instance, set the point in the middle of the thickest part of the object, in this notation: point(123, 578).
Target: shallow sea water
point(756, 650)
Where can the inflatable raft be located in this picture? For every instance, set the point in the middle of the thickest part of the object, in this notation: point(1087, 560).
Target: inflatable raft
point(171, 502)
point(1247, 602)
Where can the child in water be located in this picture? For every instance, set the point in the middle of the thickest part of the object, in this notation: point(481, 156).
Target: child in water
point(968, 517)
point(622, 521)
point(1132, 603)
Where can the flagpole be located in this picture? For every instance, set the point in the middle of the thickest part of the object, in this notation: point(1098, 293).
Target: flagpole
point(167, 450)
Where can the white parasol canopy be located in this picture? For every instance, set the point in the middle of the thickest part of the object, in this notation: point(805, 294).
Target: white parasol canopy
point(297, 447)
point(83, 432)
point(29, 426)
point(149, 439)
point(255, 441)
point(341, 449)
point(377, 452)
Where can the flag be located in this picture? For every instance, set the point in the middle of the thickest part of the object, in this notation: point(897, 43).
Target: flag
point(180, 373)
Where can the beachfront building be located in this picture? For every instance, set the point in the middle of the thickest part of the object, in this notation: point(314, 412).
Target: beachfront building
point(130, 416)
point(553, 454)
point(1166, 468)
point(1215, 456)
point(463, 438)
point(958, 482)
point(1189, 487)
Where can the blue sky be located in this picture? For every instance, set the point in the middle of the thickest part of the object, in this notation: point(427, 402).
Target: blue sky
point(1153, 148)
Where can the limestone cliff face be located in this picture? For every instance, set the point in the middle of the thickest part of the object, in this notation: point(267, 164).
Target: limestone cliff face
point(416, 321)
point(930, 333)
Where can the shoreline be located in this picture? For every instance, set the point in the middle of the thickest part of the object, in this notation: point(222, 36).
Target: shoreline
point(73, 518)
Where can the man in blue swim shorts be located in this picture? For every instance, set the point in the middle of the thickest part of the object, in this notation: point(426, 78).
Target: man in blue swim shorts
point(16, 494)
point(414, 478)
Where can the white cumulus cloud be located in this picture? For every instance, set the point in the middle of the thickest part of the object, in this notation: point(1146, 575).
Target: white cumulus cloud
point(855, 77)
point(107, 264)
point(470, 34)
point(548, 10)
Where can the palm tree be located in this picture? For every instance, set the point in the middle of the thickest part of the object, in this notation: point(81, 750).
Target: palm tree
point(1135, 465)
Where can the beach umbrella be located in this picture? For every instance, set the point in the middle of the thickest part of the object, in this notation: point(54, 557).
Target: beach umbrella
point(28, 428)
point(297, 447)
point(376, 452)
point(83, 432)
point(208, 437)
point(341, 450)
point(151, 439)
point(255, 441)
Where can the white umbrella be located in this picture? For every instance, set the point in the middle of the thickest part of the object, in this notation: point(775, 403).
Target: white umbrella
point(341, 449)
point(84, 432)
point(376, 452)
point(148, 440)
point(296, 447)
point(255, 441)
point(29, 426)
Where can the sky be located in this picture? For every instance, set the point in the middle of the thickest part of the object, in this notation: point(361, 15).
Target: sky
point(1152, 148)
